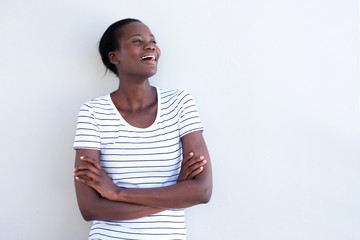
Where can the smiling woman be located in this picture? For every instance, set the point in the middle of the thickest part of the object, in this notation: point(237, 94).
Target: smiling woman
point(140, 154)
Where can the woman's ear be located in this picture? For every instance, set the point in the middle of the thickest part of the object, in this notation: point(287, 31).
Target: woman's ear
point(113, 58)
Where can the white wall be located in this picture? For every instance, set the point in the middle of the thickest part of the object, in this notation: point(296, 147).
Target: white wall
point(276, 82)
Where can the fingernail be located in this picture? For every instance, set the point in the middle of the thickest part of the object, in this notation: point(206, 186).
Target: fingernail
point(201, 168)
point(77, 178)
point(191, 153)
point(81, 157)
point(204, 161)
point(201, 157)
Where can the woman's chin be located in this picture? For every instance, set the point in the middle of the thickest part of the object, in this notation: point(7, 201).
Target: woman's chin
point(149, 74)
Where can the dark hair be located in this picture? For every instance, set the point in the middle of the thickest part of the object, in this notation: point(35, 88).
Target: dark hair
point(109, 43)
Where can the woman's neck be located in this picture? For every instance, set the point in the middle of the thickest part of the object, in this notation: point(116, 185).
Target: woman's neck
point(134, 96)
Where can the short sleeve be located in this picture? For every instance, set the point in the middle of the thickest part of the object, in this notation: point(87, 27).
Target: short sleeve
point(189, 119)
point(87, 131)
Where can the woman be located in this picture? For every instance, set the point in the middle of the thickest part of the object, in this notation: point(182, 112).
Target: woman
point(140, 154)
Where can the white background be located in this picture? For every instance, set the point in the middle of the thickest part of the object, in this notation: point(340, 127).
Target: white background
point(276, 82)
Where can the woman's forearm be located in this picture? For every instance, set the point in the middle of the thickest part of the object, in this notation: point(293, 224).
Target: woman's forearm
point(94, 207)
point(181, 195)
point(104, 209)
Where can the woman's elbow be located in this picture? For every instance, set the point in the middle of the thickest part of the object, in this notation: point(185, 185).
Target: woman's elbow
point(87, 214)
point(205, 198)
point(90, 210)
point(203, 194)
point(87, 217)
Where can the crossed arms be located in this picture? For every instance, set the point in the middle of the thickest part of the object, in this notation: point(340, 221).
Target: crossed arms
point(100, 199)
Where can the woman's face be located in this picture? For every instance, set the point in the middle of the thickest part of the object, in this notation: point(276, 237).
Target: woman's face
point(138, 54)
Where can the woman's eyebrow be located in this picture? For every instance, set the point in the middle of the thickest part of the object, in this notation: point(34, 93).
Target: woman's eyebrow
point(140, 35)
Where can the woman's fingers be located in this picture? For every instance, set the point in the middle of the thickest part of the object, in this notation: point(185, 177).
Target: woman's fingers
point(88, 168)
point(91, 165)
point(196, 172)
point(191, 167)
point(195, 168)
point(184, 161)
point(86, 176)
point(86, 181)
point(89, 172)
point(193, 161)
point(91, 161)
point(183, 174)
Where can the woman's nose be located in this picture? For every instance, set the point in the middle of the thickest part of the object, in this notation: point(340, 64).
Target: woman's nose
point(149, 46)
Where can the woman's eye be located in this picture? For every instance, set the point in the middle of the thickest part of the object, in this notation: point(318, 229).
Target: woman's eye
point(137, 41)
point(153, 41)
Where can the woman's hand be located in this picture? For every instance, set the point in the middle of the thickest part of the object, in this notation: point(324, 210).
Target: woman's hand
point(91, 174)
point(191, 167)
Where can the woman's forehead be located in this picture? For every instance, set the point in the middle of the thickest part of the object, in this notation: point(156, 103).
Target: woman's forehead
point(136, 29)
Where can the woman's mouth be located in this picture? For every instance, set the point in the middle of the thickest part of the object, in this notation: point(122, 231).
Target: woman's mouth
point(148, 58)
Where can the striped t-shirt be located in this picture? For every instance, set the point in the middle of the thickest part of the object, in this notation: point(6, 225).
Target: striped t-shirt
point(139, 158)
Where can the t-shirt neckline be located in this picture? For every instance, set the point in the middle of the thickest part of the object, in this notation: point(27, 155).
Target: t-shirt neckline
point(118, 114)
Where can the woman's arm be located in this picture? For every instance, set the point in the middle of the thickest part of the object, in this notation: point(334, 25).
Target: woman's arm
point(95, 207)
point(181, 195)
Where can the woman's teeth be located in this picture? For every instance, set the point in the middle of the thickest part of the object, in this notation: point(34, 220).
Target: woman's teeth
point(149, 57)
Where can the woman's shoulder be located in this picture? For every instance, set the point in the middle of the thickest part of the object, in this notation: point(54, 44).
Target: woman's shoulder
point(98, 102)
point(173, 93)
